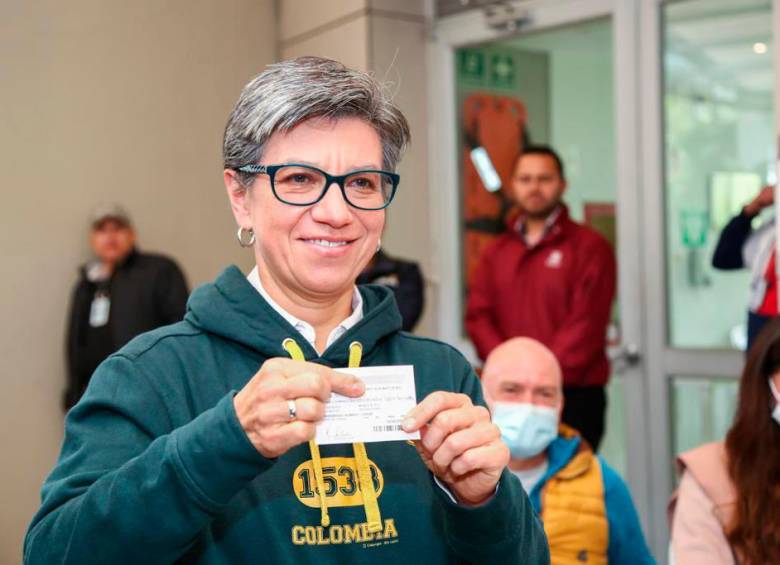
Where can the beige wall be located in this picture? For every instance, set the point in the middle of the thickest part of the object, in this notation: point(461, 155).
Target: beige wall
point(337, 29)
point(386, 37)
point(103, 100)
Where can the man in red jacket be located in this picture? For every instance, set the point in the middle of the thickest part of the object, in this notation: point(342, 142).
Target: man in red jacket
point(553, 280)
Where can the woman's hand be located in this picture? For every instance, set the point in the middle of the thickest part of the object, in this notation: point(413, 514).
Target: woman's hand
point(459, 444)
point(763, 199)
point(263, 407)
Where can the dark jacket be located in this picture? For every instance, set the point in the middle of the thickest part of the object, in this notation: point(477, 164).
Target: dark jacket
point(406, 282)
point(728, 252)
point(146, 291)
point(559, 291)
point(156, 468)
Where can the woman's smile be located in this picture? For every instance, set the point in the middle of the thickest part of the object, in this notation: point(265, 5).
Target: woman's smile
point(329, 246)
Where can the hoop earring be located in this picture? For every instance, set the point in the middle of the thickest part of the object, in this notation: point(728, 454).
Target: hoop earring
point(240, 235)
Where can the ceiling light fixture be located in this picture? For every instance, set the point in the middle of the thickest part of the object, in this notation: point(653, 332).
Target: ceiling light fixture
point(759, 48)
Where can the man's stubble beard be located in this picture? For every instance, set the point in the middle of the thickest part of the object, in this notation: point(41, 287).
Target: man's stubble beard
point(541, 214)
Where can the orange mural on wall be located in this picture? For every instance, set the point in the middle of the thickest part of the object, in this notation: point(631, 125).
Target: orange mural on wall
point(497, 124)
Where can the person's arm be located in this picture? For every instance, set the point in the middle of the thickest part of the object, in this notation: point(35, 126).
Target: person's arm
point(480, 309)
point(128, 486)
point(627, 544)
point(171, 293)
point(728, 251)
point(582, 335)
point(410, 294)
point(697, 536)
point(504, 529)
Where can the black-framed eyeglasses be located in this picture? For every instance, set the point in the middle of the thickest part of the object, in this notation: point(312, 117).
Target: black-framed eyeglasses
point(304, 185)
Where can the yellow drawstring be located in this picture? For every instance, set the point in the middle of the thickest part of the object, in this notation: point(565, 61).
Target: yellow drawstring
point(367, 490)
point(370, 503)
point(294, 350)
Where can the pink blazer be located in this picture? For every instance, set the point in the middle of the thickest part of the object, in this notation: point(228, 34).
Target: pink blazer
point(702, 508)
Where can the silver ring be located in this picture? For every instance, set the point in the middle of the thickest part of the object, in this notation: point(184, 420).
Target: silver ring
point(291, 409)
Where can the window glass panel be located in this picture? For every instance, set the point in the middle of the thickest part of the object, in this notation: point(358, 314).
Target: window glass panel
point(702, 410)
point(719, 150)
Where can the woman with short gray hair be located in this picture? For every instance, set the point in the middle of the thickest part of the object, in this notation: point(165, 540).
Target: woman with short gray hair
point(291, 92)
point(209, 441)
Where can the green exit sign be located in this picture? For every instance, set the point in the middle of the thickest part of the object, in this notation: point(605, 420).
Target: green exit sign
point(502, 70)
point(472, 64)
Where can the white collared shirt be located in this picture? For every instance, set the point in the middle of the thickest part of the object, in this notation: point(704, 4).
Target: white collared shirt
point(305, 328)
point(548, 224)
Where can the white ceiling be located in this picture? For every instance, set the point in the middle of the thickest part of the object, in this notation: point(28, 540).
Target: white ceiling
point(592, 37)
point(709, 48)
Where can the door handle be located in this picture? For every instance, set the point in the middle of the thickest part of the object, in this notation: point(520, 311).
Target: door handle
point(626, 354)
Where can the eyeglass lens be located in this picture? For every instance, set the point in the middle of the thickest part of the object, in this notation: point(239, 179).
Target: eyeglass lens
point(301, 185)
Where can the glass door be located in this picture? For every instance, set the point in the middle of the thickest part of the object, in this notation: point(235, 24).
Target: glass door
point(719, 150)
point(707, 84)
point(561, 63)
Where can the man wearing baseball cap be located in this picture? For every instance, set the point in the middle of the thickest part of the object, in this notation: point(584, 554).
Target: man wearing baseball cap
point(120, 293)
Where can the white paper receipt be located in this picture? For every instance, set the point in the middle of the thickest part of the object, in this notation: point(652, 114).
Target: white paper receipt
point(375, 416)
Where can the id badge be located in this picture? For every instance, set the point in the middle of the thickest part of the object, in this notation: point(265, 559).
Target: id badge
point(98, 313)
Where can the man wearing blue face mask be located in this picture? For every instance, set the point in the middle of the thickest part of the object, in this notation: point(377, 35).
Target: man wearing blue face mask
point(585, 506)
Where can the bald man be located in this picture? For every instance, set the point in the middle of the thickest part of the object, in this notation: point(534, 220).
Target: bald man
point(585, 506)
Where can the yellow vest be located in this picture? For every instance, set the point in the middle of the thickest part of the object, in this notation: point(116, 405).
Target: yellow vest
point(574, 512)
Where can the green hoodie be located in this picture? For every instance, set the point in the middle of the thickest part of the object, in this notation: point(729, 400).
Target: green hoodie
point(155, 467)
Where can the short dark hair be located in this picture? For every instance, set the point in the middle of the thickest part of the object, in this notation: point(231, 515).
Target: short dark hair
point(547, 151)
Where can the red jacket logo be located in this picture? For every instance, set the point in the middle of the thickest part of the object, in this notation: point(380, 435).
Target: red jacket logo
point(554, 259)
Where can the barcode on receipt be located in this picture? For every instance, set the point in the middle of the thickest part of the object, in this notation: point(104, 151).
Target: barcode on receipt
point(390, 428)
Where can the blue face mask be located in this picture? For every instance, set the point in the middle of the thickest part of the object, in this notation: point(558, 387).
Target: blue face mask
point(527, 429)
